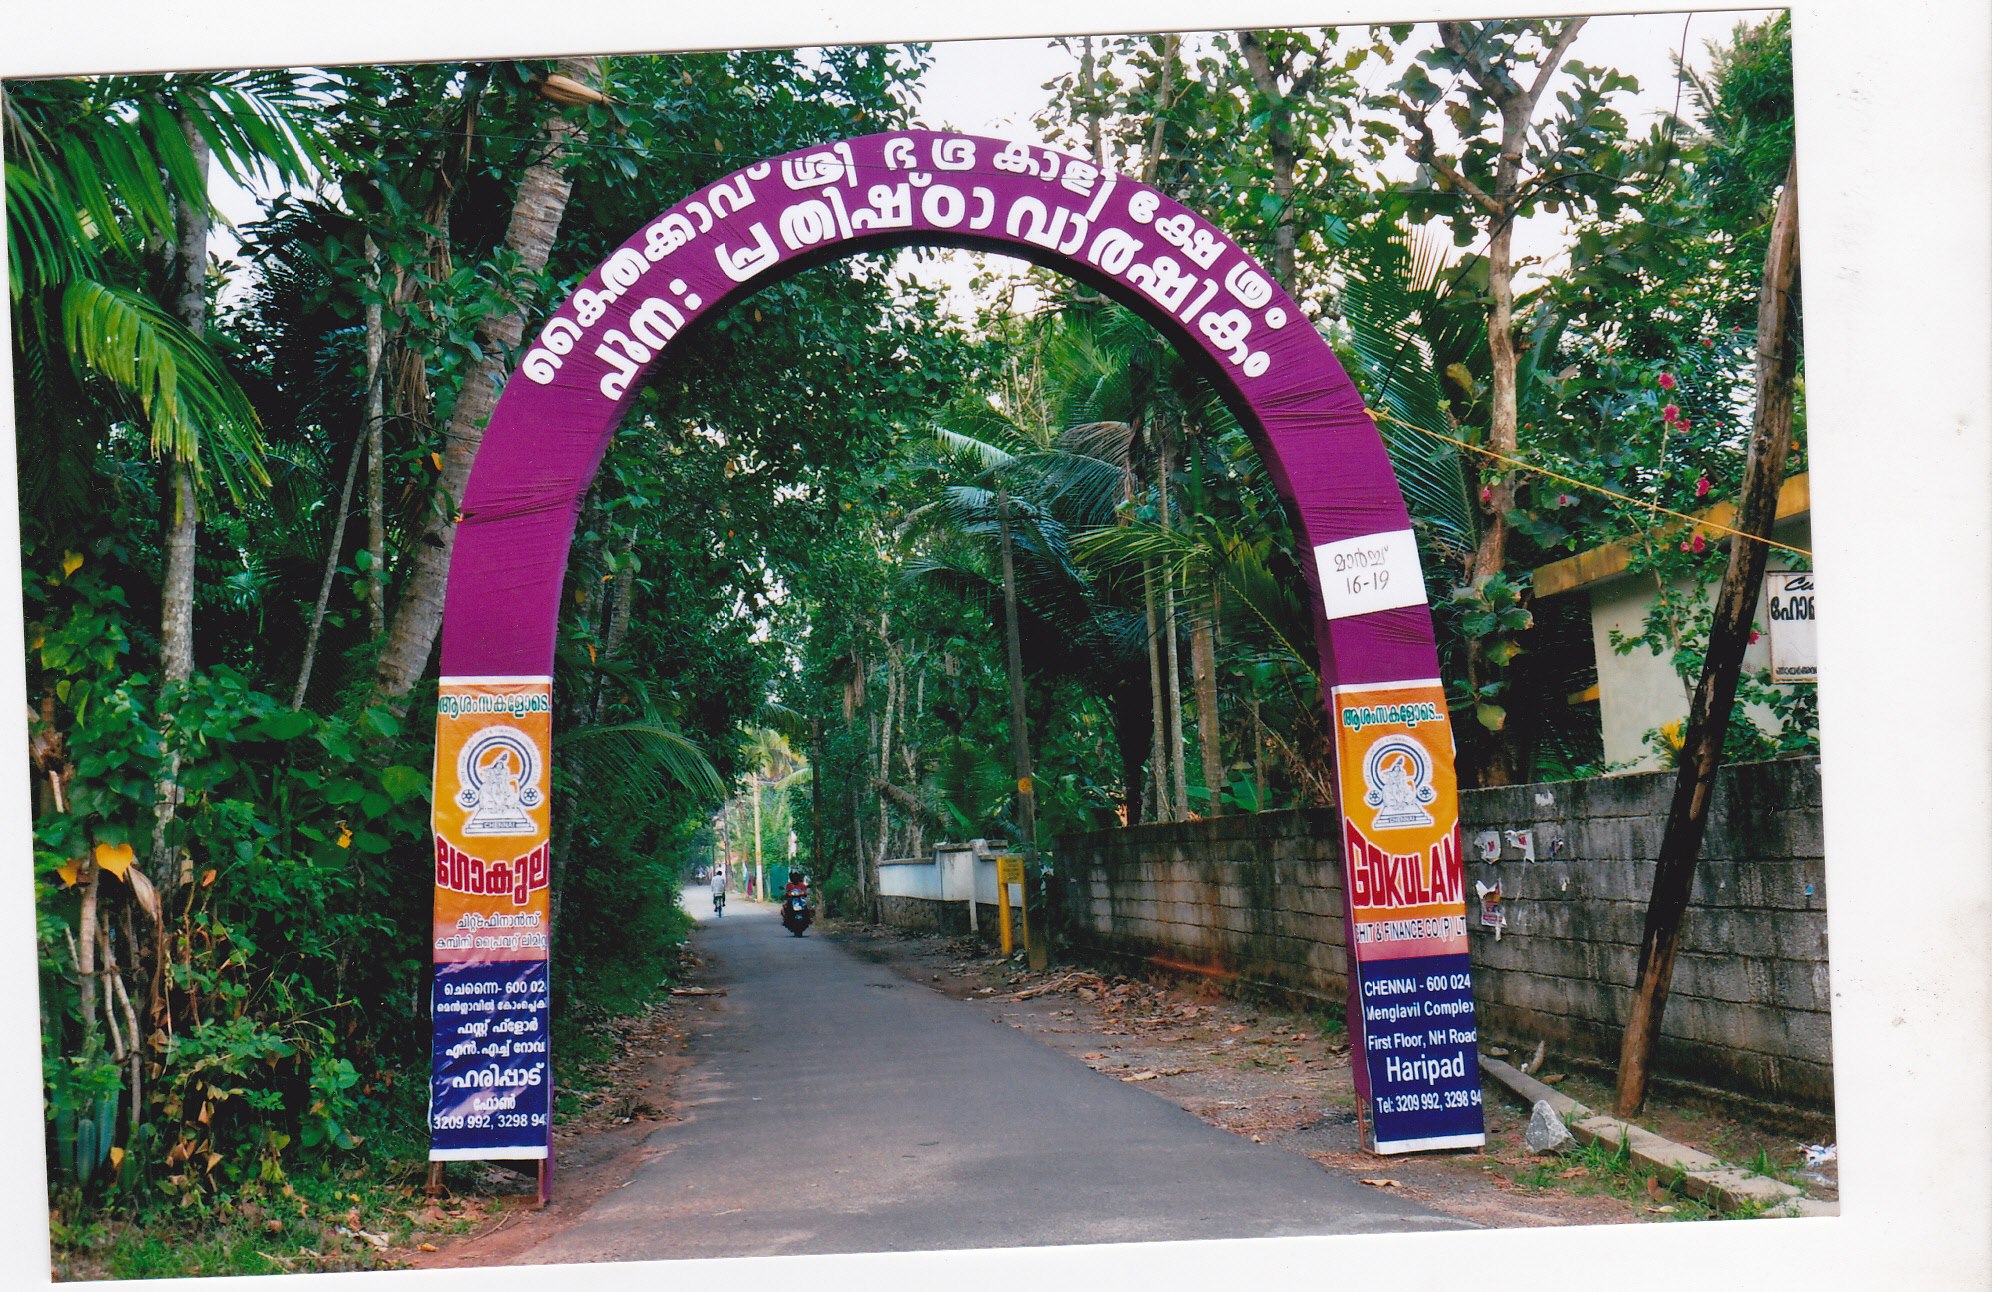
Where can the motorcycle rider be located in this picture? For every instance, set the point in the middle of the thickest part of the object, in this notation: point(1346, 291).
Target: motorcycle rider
point(795, 907)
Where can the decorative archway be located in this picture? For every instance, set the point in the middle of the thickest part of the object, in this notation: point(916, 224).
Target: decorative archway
point(1410, 1002)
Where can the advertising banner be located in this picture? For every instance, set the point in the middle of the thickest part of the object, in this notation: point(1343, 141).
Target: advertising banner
point(1792, 607)
point(1411, 1020)
point(491, 1082)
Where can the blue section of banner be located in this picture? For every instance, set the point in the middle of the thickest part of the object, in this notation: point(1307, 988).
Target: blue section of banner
point(1420, 1046)
point(491, 1085)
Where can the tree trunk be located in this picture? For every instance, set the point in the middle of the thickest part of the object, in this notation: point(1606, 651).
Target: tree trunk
point(1497, 496)
point(1498, 493)
point(1156, 789)
point(1020, 744)
point(1729, 633)
point(885, 739)
point(866, 864)
point(1020, 749)
point(376, 467)
point(176, 593)
point(1173, 665)
point(1516, 104)
point(1089, 91)
point(537, 210)
point(1165, 98)
point(817, 853)
point(86, 947)
point(1203, 670)
point(182, 527)
point(332, 546)
point(909, 758)
point(1279, 141)
point(616, 631)
point(760, 871)
point(1258, 758)
point(1134, 733)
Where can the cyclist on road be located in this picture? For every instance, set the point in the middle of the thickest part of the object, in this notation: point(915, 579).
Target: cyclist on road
point(719, 889)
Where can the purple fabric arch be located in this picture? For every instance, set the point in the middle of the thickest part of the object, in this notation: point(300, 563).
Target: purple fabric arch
point(1404, 912)
point(1212, 300)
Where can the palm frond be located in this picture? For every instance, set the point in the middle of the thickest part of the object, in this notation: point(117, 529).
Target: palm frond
point(197, 412)
point(987, 456)
point(640, 761)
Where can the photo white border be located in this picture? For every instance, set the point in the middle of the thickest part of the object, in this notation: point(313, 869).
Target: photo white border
point(1893, 147)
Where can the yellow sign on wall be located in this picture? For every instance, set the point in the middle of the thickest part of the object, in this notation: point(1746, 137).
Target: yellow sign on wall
point(1010, 870)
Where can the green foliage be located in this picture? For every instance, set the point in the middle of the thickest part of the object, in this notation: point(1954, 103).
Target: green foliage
point(1490, 612)
point(280, 923)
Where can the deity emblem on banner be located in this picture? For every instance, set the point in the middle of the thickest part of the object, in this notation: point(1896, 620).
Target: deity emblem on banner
point(1398, 777)
point(498, 772)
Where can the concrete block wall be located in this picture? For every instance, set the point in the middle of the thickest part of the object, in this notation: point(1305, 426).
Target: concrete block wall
point(1259, 899)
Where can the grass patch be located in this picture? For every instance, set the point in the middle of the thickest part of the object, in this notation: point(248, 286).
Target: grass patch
point(1600, 1170)
point(1332, 1023)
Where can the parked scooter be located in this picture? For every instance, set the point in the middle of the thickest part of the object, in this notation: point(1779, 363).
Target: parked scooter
point(796, 910)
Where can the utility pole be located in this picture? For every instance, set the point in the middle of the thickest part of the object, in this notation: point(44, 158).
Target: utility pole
point(816, 850)
point(724, 845)
point(760, 875)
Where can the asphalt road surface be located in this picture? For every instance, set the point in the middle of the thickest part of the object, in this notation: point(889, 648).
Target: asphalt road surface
point(834, 1106)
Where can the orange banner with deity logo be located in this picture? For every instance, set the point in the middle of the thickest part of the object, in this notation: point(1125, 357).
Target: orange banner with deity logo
point(1400, 813)
point(493, 818)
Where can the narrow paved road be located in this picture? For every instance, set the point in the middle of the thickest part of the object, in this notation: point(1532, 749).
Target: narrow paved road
point(834, 1106)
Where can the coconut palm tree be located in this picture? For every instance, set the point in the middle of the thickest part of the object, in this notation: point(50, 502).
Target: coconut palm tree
point(1032, 465)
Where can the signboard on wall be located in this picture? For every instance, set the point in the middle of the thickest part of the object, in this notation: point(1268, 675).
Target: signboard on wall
point(1411, 1020)
point(1791, 610)
point(491, 1081)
